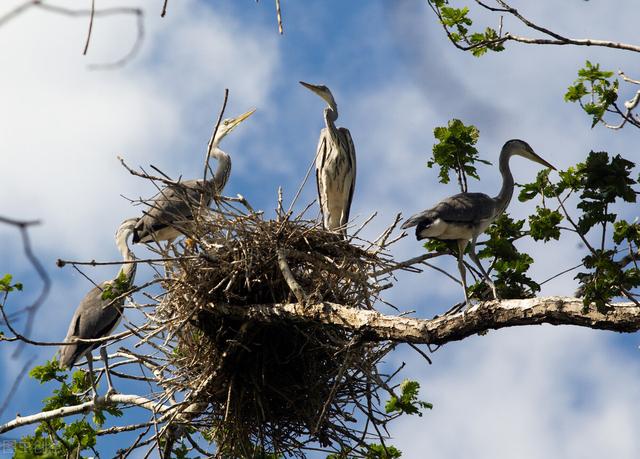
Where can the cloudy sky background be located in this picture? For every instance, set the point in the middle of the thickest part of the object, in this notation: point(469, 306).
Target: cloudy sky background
point(534, 392)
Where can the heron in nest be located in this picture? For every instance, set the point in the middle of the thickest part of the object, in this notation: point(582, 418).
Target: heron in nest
point(171, 210)
point(100, 311)
point(463, 217)
point(335, 166)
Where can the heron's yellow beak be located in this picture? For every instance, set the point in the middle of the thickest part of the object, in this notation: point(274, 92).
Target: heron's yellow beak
point(233, 122)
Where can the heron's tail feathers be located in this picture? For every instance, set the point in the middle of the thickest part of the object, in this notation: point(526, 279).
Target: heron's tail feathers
point(69, 354)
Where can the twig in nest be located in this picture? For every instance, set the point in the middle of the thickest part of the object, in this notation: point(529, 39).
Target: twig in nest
point(288, 276)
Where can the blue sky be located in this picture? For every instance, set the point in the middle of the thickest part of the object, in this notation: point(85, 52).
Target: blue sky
point(536, 392)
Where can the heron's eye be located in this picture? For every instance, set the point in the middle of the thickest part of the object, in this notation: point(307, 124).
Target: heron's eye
point(226, 122)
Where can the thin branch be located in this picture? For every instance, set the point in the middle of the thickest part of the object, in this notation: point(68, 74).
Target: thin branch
point(215, 131)
point(556, 39)
point(92, 15)
point(279, 16)
point(42, 273)
point(407, 263)
point(84, 408)
point(289, 278)
point(61, 263)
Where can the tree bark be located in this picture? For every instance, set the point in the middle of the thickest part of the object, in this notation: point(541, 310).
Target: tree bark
point(490, 315)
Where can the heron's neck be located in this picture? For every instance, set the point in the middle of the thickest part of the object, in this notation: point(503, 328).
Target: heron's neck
point(506, 192)
point(330, 117)
point(128, 269)
point(223, 170)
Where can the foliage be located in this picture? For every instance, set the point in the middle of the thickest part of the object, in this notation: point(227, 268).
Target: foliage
point(408, 402)
point(115, 288)
point(56, 438)
point(38, 446)
point(456, 152)
point(510, 265)
point(6, 285)
point(600, 182)
point(544, 224)
point(597, 87)
point(457, 23)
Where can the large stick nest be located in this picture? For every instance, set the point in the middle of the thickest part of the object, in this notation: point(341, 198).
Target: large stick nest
point(274, 386)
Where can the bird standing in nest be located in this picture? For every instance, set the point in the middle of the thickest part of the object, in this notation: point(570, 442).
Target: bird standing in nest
point(463, 217)
point(335, 166)
point(171, 211)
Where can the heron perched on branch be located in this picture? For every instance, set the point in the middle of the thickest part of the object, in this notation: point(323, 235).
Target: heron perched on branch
point(335, 166)
point(100, 311)
point(463, 217)
point(171, 210)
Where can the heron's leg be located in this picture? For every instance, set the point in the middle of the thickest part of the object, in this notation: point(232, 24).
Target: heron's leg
point(93, 379)
point(476, 260)
point(463, 271)
point(105, 359)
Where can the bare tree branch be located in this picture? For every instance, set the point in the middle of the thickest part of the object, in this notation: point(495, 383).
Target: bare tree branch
point(84, 408)
point(35, 262)
point(92, 13)
point(490, 315)
point(555, 38)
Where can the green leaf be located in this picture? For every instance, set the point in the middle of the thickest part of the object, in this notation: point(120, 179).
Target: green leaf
point(456, 152)
point(47, 372)
point(510, 265)
point(597, 87)
point(376, 451)
point(116, 288)
point(7, 286)
point(80, 434)
point(623, 230)
point(408, 402)
point(544, 225)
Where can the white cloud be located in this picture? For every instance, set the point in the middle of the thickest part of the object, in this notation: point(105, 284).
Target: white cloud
point(63, 125)
point(543, 392)
point(528, 393)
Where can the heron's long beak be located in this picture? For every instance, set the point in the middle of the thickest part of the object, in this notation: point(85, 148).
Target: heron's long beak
point(312, 87)
point(539, 160)
point(322, 91)
point(235, 121)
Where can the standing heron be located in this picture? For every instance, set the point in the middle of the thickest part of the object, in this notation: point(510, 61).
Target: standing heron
point(463, 217)
point(171, 212)
point(335, 166)
point(97, 317)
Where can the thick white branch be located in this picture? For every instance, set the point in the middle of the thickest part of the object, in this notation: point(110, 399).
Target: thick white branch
point(84, 408)
point(624, 317)
point(373, 326)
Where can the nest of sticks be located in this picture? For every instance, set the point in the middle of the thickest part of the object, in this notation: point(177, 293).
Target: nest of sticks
point(275, 386)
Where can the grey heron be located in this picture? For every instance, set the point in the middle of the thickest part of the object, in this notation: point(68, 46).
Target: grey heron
point(170, 213)
point(335, 166)
point(97, 317)
point(463, 217)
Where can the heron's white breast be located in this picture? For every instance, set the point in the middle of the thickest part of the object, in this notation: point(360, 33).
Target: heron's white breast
point(441, 229)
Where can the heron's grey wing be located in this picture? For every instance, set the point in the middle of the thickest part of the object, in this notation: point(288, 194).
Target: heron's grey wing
point(173, 204)
point(93, 318)
point(351, 155)
point(321, 155)
point(460, 208)
point(465, 208)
